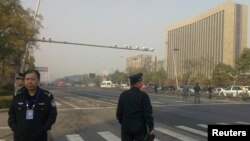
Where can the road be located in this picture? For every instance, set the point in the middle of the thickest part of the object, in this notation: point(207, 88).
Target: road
point(88, 114)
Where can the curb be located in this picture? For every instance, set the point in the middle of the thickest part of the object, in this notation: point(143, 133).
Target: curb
point(3, 110)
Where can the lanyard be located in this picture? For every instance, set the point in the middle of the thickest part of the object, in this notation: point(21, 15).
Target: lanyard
point(33, 106)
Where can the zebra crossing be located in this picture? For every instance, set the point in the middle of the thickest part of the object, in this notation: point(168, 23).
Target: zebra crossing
point(179, 133)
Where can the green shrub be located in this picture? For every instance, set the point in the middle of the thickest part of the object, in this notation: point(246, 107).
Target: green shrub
point(5, 92)
point(4, 103)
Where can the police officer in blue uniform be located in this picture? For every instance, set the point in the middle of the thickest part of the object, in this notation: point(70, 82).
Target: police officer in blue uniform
point(32, 111)
point(134, 111)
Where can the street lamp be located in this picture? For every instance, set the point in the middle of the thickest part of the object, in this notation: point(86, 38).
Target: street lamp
point(174, 63)
point(175, 69)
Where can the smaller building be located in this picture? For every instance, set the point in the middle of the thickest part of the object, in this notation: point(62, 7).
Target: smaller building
point(141, 62)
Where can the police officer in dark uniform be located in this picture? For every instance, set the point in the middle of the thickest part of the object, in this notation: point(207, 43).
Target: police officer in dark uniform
point(32, 111)
point(19, 81)
point(134, 111)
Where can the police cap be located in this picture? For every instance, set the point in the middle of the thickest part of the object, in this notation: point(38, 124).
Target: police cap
point(19, 75)
point(136, 77)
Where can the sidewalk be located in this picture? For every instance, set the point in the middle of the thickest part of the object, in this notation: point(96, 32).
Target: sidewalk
point(5, 131)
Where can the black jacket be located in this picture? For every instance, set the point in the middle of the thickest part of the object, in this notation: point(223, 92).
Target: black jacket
point(134, 105)
point(45, 114)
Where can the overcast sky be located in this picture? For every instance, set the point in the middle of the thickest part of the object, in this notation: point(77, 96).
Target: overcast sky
point(107, 22)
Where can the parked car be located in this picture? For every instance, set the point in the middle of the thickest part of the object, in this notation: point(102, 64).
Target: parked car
point(219, 91)
point(165, 89)
point(106, 84)
point(248, 89)
point(233, 90)
point(124, 86)
point(190, 89)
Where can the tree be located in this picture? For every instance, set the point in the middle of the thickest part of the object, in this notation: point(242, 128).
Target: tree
point(243, 63)
point(159, 77)
point(243, 68)
point(119, 77)
point(16, 28)
point(223, 75)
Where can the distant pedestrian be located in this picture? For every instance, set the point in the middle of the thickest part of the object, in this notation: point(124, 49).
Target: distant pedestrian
point(197, 89)
point(156, 88)
point(185, 92)
point(134, 112)
point(32, 111)
point(210, 90)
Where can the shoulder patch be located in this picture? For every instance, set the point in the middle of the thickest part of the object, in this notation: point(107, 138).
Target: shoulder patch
point(47, 93)
point(53, 103)
point(19, 91)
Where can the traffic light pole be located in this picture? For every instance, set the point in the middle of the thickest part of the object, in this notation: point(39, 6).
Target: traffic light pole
point(27, 53)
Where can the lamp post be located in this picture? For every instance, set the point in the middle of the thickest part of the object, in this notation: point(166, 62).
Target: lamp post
point(175, 69)
point(174, 63)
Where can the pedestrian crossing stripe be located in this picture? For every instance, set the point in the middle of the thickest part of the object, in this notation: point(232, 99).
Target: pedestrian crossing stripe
point(74, 137)
point(193, 130)
point(4, 128)
point(109, 136)
point(58, 104)
point(222, 123)
point(202, 125)
point(174, 134)
point(244, 123)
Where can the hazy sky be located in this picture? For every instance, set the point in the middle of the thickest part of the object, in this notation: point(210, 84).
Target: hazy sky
point(107, 22)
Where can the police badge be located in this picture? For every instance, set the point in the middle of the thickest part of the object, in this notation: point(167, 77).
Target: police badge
point(53, 103)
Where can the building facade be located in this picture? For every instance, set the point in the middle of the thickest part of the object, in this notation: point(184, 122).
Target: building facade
point(141, 62)
point(198, 44)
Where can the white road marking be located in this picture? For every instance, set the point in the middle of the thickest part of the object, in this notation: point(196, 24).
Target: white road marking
point(192, 104)
point(83, 97)
point(202, 125)
point(67, 103)
point(174, 134)
point(244, 123)
point(74, 137)
point(88, 108)
point(58, 104)
point(109, 136)
point(193, 130)
point(156, 102)
point(4, 128)
point(222, 123)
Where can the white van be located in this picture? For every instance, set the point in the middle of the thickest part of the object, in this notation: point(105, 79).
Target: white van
point(106, 84)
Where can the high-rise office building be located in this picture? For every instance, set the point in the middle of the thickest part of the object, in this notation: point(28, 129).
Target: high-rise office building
point(198, 44)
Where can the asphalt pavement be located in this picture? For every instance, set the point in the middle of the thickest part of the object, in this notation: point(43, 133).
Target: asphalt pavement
point(88, 114)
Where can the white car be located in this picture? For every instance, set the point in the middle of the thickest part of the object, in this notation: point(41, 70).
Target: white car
point(124, 86)
point(233, 90)
point(106, 84)
point(219, 91)
point(248, 89)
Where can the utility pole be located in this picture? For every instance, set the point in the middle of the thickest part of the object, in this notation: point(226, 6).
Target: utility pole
point(27, 53)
